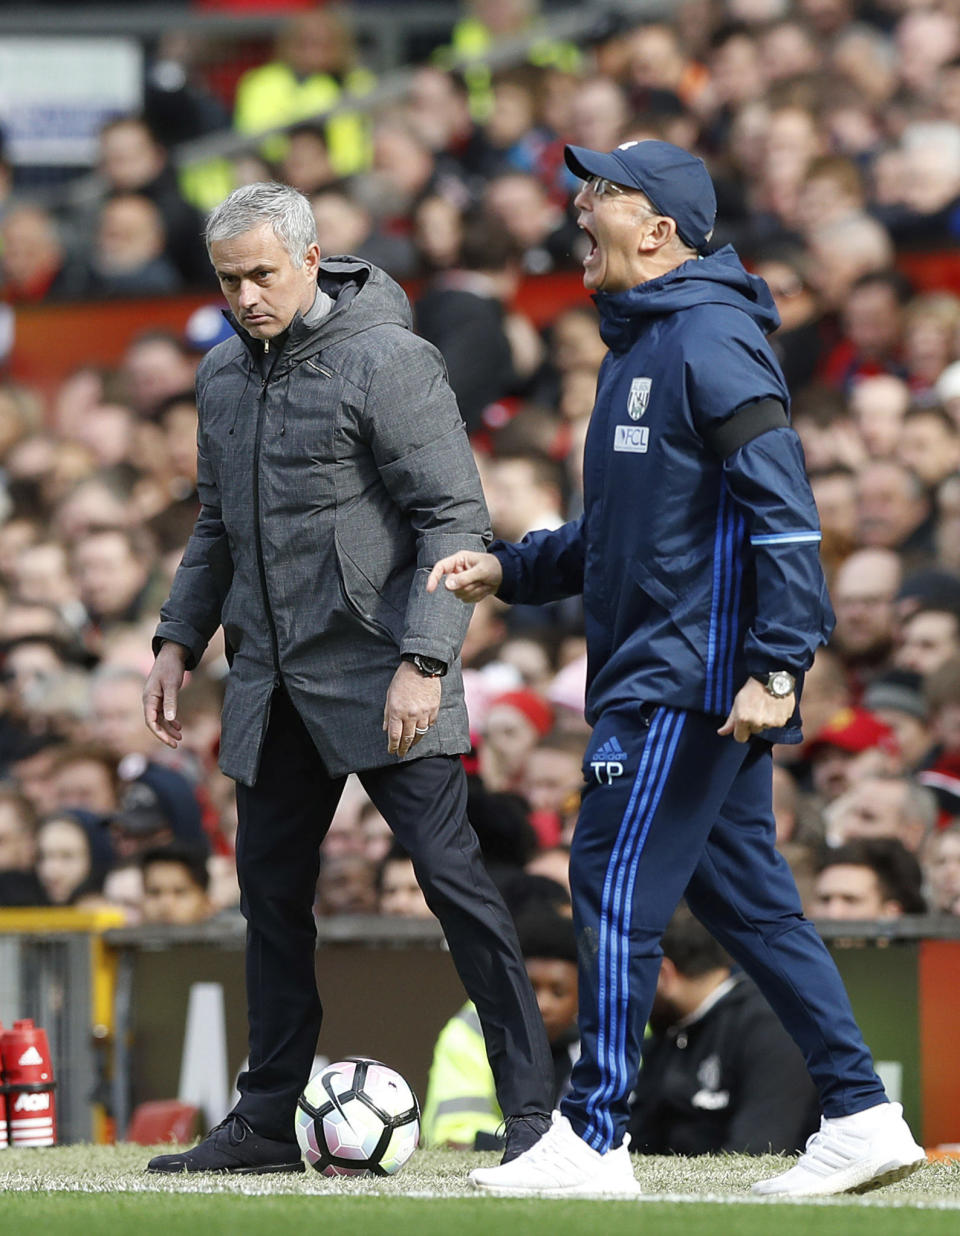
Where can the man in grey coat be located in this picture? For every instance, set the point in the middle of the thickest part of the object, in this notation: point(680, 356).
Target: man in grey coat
point(333, 470)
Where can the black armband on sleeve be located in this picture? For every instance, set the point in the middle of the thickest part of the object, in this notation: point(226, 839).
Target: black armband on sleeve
point(749, 421)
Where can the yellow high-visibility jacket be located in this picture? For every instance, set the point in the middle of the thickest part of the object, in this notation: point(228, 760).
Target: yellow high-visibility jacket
point(461, 1098)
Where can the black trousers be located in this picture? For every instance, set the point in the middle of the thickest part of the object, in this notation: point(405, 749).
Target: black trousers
point(282, 820)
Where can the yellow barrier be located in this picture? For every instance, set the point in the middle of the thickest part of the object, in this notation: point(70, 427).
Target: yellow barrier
point(46, 921)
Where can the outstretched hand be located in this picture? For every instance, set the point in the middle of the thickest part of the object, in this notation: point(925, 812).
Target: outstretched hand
point(469, 574)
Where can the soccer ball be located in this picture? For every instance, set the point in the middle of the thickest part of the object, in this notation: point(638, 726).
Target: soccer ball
point(357, 1116)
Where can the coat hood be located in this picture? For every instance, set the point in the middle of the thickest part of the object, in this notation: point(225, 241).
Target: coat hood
point(364, 296)
point(719, 278)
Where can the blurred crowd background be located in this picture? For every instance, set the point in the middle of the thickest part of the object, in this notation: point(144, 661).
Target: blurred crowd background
point(832, 130)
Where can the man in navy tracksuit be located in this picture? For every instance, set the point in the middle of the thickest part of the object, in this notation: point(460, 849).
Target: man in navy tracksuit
point(697, 556)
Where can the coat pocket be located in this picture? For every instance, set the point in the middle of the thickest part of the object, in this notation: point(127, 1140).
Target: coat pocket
point(363, 600)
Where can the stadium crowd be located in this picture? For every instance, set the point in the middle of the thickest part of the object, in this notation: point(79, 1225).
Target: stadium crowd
point(832, 131)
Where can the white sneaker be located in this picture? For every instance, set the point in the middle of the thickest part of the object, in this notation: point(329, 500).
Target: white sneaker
point(851, 1153)
point(561, 1164)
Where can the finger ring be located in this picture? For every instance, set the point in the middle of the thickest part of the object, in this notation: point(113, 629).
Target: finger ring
point(418, 730)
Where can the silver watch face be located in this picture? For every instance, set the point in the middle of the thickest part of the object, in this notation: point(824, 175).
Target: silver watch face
point(780, 684)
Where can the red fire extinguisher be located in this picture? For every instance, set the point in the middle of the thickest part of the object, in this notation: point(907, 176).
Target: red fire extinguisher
point(3, 1101)
point(28, 1082)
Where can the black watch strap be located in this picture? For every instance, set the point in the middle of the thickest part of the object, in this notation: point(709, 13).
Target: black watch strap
point(429, 667)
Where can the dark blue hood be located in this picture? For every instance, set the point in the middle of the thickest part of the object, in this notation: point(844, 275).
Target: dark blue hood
point(719, 278)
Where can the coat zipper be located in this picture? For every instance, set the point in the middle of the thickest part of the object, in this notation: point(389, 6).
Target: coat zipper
point(258, 537)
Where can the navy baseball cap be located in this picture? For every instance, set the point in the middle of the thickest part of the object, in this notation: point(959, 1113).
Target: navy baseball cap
point(676, 182)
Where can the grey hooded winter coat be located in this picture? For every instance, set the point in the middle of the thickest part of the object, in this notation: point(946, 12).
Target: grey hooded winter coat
point(328, 489)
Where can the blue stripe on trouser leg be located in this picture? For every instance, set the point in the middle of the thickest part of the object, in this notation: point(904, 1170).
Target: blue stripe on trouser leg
point(621, 1078)
point(603, 991)
point(614, 951)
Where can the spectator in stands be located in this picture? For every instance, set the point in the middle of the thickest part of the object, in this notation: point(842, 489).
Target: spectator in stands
point(84, 775)
point(112, 568)
point(483, 24)
point(833, 190)
point(657, 60)
point(896, 699)
point(123, 890)
point(515, 722)
point(834, 752)
point(127, 257)
point(26, 760)
point(931, 185)
point(719, 1072)
point(463, 314)
point(523, 493)
point(878, 405)
point(844, 251)
point(930, 445)
point(599, 114)
point(930, 638)
point(306, 163)
point(799, 341)
point(157, 807)
point(95, 502)
point(156, 365)
point(941, 865)
point(18, 850)
point(176, 886)
point(894, 807)
point(33, 260)
point(345, 225)
point(552, 778)
point(863, 598)
point(397, 890)
point(437, 108)
point(868, 878)
point(116, 712)
point(872, 321)
point(347, 884)
point(511, 138)
point(545, 238)
point(314, 68)
point(73, 855)
point(29, 663)
point(132, 161)
point(894, 511)
point(925, 40)
point(930, 325)
point(437, 232)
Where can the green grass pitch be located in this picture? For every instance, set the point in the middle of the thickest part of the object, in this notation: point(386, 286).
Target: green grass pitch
point(103, 1191)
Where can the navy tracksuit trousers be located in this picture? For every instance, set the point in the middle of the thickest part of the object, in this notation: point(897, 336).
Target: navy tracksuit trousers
point(671, 810)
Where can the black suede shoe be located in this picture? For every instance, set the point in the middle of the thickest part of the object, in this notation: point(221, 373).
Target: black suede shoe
point(523, 1132)
point(232, 1146)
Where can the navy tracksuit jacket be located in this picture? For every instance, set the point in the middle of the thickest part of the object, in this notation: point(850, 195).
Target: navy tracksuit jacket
point(698, 565)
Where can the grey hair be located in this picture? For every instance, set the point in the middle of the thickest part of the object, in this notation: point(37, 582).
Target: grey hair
point(287, 211)
point(919, 805)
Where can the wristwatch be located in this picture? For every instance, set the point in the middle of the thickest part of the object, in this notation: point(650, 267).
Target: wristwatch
point(429, 667)
point(779, 683)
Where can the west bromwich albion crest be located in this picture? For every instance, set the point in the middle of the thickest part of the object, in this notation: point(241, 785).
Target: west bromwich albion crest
point(639, 397)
